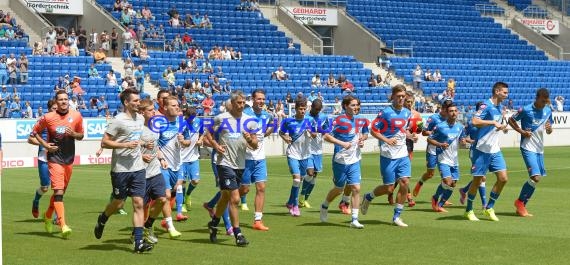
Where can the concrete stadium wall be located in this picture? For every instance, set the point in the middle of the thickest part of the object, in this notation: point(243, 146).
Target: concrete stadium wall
point(96, 17)
point(35, 22)
point(536, 38)
point(350, 38)
point(564, 40)
point(300, 30)
point(4, 2)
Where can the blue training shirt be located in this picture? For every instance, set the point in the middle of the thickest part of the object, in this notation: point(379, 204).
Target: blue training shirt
point(348, 129)
point(393, 123)
point(533, 119)
point(432, 121)
point(450, 134)
point(488, 136)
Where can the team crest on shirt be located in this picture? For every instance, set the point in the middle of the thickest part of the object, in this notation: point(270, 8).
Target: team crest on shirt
point(70, 120)
point(497, 117)
point(481, 108)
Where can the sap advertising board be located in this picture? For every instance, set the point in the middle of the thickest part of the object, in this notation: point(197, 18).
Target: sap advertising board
point(19, 130)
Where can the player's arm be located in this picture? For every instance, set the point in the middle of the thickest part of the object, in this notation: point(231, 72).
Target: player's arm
point(32, 139)
point(514, 124)
point(432, 140)
point(108, 143)
point(331, 139)
point(548, 124)
point(284, 134)
point(208, 135)
point(270, 128)
point(183, 142)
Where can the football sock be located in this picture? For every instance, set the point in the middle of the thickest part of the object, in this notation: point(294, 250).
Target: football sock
point(492, 198)
point(470, 198)
point(447, 191)
point(483, 193)
point(179, 199)
point(294, 196)
point(438, 192)
point(398, 211)
point(527, 190)
point(212, 203)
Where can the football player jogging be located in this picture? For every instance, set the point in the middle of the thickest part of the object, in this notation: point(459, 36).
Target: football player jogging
point(255, 166)
point(234, 136)
point(43, 171)
point(171, 140)
point(446, 137)
point(471, 131)
point(296, 132)
point(64, 127)
point(391, 129)
point(535, 119)
point(190, 155)
point(415, 126)
point(487, 155)
point(348, 134)
point(128, 174)
point(431, 158)
point(155, 184)
point(320, 125)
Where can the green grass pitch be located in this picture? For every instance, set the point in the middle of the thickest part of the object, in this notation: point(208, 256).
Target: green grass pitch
point(432, 238)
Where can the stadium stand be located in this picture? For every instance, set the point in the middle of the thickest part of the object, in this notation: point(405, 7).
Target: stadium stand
point(263, 49)
point(453, 37)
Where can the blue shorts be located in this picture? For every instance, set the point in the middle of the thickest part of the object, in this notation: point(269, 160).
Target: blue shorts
point(315, 162)
point(394, 169)
point(132, 184)
point(155, 188)
point(191, 170)
point(449, 171)
point(297, 167)
point(534, 163)
point(431, 161)
point(346, 174)
point(44, 173)
point(483, 162)
point(255, 171)
point(171, 177)
point(229, 178)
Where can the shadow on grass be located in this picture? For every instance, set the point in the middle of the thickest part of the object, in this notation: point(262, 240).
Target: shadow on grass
point(278, 213)
point(321, 224)
point(199, 230)
point(426, 210)
point(37, 233)
point(39, 220)
point(125, 241)
point(206, 241)
point(107, 247)
point(375, 222)
point(451, 217)
point(507, 214)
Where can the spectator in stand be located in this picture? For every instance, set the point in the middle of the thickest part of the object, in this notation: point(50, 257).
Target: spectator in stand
point(186, 40)
point(61, 49)
point(127, 40)
point(226, 54)
point(190, 53)
point(73, 42)
point(288, 98)
point(15, 93)
point(125, 18)
point(189, 21)
point(436, 77)
point(451, 84)
point(216, 85)
point(143, 54)
point(372, 81)
point(197, 19)
point(39, 113)
point(183, 67)
point(175, 21)
point(82, 38)
point(93, 102)
point(146, 13)
point(417, 77)
point(280, 110)
point(171, 79)
point(10, 34)
point(510, 105)
point(28, 112)
point(243, 5)
point(76, 88)
point(141, 31)
point(207, 67)
point(197, 85)
point(112, 79)
point(16, 108)
point(114, 41)
point(102, 106)
point(117, 6)
point(236, 55)
point(129, 67)
point(320, 97)
point(81, 103)
point(105, 41)
point(136, 51)
point(208, 105)
point(311, 97)
point(173, 11)
point(160, 32)
point(427, 76)
point(337, 108)
point(73, 103)
point(19, 32)
point(38, 48)
point(206, 88)
point(559, 103)
point(316, 81)
point(253, 5)
point(50, 41)
point(388, 79)
point(206, 23)
point(12, 70)
point(331, 81)
point(24, 65)
point(4, 110)
point(99, 56)
point(280, 74)
point(139, 78)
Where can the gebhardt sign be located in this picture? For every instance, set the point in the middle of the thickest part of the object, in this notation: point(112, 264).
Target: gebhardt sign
point(314, 16)
point(545, 26)
point(63, 7)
